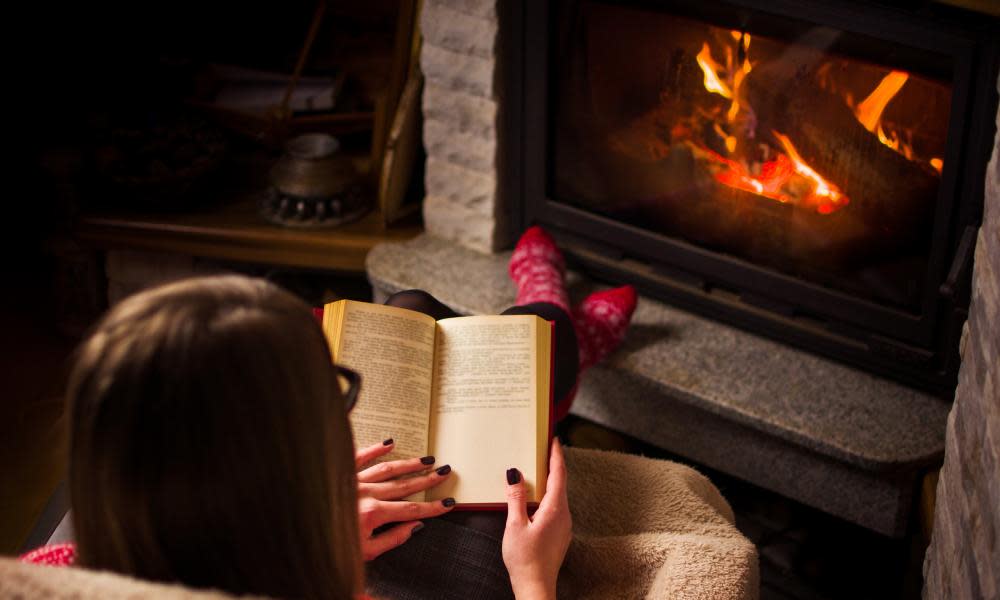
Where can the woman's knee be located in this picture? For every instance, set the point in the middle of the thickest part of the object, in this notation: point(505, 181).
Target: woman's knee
point(420, 301)
point(411, 298)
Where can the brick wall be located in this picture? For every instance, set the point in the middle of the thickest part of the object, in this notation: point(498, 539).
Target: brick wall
point(460, 116)
point(963, 560)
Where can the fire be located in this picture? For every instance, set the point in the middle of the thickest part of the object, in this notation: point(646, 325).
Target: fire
point(937, 164)
point(869, 111)
point(782, 179)
point(717, 84)
point(728, 140)
point(774, 175)
point(825, 190)
point(787, 177)
point(710, 68)
point(738, 78)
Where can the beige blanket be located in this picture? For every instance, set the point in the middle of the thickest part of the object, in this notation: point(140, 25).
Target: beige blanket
point(645, 528)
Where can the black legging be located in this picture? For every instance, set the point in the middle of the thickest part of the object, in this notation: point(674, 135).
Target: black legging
point(566, 359)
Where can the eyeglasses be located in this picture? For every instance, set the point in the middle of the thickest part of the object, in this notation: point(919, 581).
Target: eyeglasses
point(349, 382)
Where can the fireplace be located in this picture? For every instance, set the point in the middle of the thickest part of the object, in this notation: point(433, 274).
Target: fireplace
point(811, 171)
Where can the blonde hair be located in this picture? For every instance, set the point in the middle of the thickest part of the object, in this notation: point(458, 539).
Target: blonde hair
point(210, 444)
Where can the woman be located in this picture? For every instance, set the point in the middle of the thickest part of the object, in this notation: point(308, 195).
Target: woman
point(210, 446)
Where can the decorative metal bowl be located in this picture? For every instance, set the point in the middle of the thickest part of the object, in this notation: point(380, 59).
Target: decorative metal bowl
point(313, 185)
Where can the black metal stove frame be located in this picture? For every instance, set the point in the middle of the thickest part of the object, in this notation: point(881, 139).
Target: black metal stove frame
point(919, 349)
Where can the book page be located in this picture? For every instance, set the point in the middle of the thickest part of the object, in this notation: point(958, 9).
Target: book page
point(487, 412)
point(393, 349)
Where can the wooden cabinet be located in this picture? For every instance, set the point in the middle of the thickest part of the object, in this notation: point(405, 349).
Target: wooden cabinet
point(222, 222)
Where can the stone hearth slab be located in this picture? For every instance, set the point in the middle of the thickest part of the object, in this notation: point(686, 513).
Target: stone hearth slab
point(825, 434)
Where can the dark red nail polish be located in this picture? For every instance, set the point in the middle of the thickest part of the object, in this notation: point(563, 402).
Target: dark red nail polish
point(387, 442)
point(513, 476)
point(427, 460)
point(444, 470)
point(448, 502)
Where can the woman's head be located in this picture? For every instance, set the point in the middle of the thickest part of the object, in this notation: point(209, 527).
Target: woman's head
point(210, 444)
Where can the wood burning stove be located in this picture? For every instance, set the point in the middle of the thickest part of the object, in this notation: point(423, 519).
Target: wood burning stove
point(812, 171)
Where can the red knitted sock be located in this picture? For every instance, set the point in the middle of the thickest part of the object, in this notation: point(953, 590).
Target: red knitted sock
point(601, 321)
point(537, 268)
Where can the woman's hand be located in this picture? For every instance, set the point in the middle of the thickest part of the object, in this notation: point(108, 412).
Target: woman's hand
point(381, 493)
point(534, 547)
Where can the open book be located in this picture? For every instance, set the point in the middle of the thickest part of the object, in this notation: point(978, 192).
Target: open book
point(474, 392)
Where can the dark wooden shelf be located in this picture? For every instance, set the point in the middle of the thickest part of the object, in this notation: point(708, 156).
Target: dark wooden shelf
point(236, 232)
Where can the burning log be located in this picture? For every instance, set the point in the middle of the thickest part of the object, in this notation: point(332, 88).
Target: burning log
point(761, 160)
point(886, 189)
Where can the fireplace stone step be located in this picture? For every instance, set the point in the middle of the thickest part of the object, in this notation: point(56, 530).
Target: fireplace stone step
point(835, 438)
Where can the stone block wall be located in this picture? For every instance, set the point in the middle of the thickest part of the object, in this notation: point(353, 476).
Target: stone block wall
point(460, 107)
point(963, 560)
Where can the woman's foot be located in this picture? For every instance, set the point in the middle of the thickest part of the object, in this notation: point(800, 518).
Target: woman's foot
point(601, 321)
point(537, 268)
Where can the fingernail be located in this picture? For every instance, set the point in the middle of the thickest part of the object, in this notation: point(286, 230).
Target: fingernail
point(513, 476)
point(387, 442)
point(427, 460)
point(444, 470)
point(416, 528)
point(448, 502)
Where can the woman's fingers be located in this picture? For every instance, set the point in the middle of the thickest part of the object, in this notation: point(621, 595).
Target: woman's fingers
point(365, 455)
point(401, 488)
point(389, 539)
point(399, 510)
point(394, 468)
point(555, 486)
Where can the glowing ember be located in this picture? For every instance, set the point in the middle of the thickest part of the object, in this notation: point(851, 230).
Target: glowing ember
point(828, 191)
point(782, 179)
point(937, 164)
point(773, 176)
point(710, 68)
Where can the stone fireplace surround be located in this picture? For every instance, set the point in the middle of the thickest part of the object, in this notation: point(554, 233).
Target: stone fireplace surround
point(844, 441)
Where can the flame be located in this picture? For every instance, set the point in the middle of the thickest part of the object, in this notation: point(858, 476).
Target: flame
point(731, 144)
point(711, 68)
point(738, 78)
point(823, 188)
point(937, 164)
point(727, 139)
point(786, 177)
point(715, 83)
point(892, 140)
point(869, 112)
point(773, 176)
point(779, 177)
